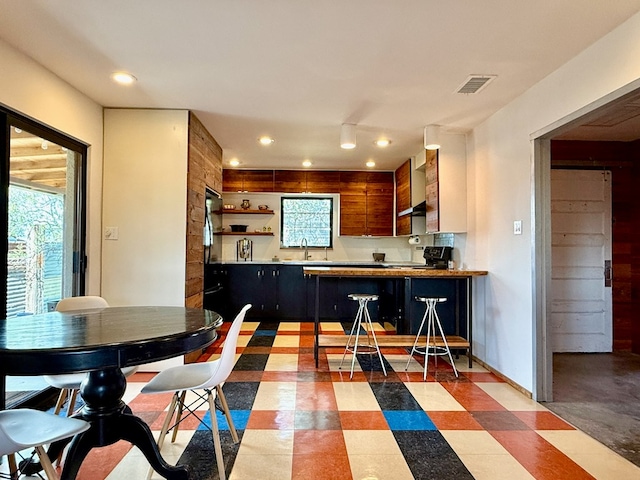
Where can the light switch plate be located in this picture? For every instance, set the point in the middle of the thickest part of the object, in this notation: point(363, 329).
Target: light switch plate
point(517, 227)
point(111, 233)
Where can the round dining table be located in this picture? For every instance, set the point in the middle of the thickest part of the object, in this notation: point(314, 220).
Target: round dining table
point(101, 342)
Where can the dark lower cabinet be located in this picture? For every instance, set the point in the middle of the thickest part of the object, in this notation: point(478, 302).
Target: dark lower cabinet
point(291, 293)
point(247, 284)
point(275, 291)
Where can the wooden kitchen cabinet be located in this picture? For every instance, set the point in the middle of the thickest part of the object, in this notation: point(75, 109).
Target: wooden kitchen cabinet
point(319, 181)
point(247, 180)
point(431, 192)
point(366, 203)
point(290, 181)
point(446, 186)
point(303, 181)
point(403, 198)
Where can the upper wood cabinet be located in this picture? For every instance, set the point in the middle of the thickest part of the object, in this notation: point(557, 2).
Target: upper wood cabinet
point(366, 203)
point(403, 198)
point(353, 183)
point(247, 180)
point(303, 181)
point(319, 181)
point(446, 186)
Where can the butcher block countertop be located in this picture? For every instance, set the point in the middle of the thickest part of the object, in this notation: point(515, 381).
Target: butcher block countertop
point(414, 272)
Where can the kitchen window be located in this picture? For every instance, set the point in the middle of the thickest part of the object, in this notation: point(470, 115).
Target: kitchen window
point(306, 218)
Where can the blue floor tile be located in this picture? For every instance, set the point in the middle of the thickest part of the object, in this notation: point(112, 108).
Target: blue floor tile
point(408, 420)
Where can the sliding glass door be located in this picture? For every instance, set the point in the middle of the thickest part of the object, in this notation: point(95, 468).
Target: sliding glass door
point(43, 223)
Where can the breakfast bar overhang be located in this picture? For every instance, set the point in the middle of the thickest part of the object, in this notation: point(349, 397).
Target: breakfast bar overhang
point(410, 275)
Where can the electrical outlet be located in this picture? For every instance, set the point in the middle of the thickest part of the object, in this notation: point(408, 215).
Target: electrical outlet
point(517, 227)
point(111, 233)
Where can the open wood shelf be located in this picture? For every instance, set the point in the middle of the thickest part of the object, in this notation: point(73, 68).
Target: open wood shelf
point(245, 234)
point(241, 211)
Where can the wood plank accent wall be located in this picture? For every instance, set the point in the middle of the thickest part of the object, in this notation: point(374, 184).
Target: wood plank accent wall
point(204, 169)
point(623, 159)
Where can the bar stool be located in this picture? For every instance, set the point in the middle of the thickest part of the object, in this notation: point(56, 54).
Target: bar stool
point(431, 349)
point(362, 316)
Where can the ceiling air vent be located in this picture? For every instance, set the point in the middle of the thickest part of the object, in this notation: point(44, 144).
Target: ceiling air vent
point(475, 83)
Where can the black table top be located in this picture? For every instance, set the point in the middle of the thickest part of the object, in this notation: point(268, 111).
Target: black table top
point(95, 339)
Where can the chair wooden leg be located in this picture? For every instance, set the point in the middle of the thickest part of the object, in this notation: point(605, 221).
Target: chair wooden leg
point(179, 415)
point(13, 467)
point(61, 398)
point(72, 401)
point(227, 413)
point(217, 444)
point(46, 463)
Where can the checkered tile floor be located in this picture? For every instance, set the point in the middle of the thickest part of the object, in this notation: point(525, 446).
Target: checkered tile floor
point(299, 422)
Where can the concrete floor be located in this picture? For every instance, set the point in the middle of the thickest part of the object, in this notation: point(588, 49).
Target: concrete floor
point(600, 394)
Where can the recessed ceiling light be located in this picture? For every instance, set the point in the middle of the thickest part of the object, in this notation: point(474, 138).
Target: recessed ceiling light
point(123, 78)
point(370, 164)
point(307, 163)
point(383, 142)
point(266, 140)
point(234, 162)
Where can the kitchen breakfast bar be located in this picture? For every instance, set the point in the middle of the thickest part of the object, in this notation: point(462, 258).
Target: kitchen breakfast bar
point(414, 280)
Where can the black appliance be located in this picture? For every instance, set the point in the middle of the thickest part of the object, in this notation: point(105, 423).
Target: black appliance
point(437, 257)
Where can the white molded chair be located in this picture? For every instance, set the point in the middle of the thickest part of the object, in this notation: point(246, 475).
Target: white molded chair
point(207, 376)
point(69, 384)
point(24, 428)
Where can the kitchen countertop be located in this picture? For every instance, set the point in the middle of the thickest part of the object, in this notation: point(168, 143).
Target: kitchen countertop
point(326, 263)
point(391, 271)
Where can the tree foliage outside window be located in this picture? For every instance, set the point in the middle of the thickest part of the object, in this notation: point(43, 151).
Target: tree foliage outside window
point(35, 250)
point(309, 218)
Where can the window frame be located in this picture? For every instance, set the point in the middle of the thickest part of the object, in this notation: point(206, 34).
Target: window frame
point(331, 200)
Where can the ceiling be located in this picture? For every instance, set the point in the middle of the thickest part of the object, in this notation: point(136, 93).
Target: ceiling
point(37, 162)
point(297, 69)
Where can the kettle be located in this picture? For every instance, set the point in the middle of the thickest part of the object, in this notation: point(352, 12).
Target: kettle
point(244, 249)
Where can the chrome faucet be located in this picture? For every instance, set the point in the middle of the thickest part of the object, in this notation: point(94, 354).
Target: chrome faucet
point(305, 244)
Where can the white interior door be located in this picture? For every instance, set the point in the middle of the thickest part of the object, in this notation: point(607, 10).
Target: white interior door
point(581, 318)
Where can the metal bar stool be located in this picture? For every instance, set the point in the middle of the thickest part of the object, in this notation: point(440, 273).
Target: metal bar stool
point(431, 349)
point(363, 299)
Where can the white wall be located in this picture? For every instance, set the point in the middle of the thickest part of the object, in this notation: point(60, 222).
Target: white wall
point(145, 182)
point(499, 157)
point(28, 88)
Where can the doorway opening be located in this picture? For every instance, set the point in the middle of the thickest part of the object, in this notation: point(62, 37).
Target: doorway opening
point(42, 221)
point(602, 137)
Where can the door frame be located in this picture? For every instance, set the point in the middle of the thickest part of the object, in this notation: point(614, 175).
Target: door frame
point(9, 118)
point(542, 361)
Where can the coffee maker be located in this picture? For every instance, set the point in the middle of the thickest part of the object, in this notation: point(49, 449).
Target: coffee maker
point(244, 249)
point(437, 257)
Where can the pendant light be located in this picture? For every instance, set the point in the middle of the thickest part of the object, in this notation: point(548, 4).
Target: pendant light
point(348, 136)
point(432, 137)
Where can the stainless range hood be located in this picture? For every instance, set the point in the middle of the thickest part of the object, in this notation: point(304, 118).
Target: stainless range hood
point(419, 210)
